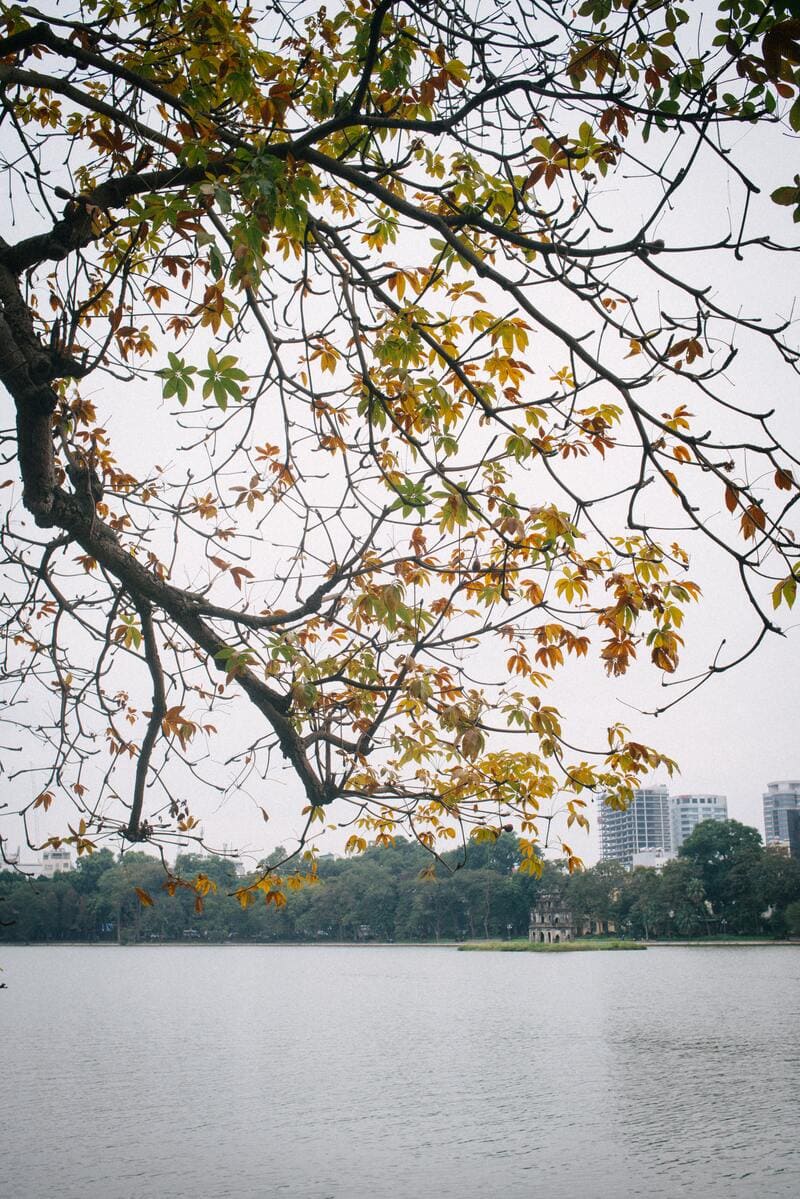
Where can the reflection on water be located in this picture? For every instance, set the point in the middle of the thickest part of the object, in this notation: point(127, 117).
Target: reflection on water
point(368, 1072)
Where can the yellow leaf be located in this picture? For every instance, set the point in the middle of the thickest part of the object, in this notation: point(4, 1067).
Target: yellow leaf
point(785, 592)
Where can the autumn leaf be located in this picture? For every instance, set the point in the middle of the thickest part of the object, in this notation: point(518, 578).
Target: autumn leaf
point(753, 520)
point(785, 592)
point(238, 573)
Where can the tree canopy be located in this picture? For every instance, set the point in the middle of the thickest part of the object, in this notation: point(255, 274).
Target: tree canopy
point(381, 896)
point(367, 365)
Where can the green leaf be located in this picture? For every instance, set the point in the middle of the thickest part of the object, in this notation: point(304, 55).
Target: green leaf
point(177, 378)
point(786, 196)
point(794, 115)
point(785, 592)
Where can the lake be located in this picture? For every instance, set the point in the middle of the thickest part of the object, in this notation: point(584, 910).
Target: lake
point(363, 1073)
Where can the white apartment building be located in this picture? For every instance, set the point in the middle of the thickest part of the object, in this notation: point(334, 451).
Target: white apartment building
point(52, 862)
point(55, 861)
point(690, 810)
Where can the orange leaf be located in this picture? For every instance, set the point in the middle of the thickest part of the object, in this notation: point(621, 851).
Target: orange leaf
point(673, 482)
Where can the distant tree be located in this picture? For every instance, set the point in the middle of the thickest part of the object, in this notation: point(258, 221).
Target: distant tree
point(89, 869)
point(640, 908)
point(221, 870)
point(683, 901)
point(725, 855)
point(775, 881)
point(125, 893)
point(792, 918)
point(593, 894)
point(432, 314)
point(391, 893)
point(502, 855)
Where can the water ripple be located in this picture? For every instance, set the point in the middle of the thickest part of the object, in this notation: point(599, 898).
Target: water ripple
point(327, 1073)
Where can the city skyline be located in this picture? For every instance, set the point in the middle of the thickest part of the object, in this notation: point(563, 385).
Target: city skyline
point(657, 823)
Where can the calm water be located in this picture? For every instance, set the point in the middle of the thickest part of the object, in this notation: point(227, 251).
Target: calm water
point(398, 1073)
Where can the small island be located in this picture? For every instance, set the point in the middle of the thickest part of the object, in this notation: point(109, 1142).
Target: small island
point(521, 946)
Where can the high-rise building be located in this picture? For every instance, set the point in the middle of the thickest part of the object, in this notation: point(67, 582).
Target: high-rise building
point(780, 799)
point(691, 810)
point(646, 824)
point(793, 821)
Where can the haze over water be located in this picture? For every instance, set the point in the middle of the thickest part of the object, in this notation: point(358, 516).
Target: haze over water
point(342, 1073)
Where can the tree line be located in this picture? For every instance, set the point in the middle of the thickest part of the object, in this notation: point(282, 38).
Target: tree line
point(723, 881)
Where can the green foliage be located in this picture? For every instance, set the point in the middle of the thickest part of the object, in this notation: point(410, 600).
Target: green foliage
point(560, 947)
point(223, 379)
point(792, 918)
point(177, 378)
point(391, 894)
point(386, 894)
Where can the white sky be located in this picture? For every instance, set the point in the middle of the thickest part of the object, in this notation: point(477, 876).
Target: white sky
point(738, 732)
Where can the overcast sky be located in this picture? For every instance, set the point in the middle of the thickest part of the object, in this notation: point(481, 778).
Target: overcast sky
point(738, 732)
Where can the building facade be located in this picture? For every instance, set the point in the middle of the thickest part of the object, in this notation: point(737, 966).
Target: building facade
point(652, 859)
point(53, 862)
point(780, 799)
point(793, 821)
point(645, 825)
point(551, 920)
point(690, 810)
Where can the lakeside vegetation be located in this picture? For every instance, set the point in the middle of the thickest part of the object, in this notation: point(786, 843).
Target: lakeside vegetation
point(584, 944)
point(723, 883)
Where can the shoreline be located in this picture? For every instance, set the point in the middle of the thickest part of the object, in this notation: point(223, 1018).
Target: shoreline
point(579, 946)
point(515, 946)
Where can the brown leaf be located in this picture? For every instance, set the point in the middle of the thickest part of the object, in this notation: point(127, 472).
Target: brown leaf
point(753, 519)
point(238, 573)
point(780, 42)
